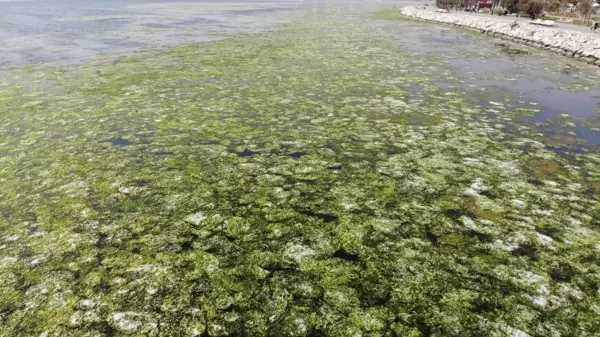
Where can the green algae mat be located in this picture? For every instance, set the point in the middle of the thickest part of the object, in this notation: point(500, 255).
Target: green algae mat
point(311, 181)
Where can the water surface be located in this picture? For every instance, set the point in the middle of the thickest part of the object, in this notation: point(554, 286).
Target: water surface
point(336, 175)
point(75, 30)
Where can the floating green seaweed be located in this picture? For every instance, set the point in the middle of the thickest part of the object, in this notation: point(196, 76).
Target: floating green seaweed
point(290, 183)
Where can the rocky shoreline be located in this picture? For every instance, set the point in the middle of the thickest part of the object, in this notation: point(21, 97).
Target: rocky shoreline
point(582, 46)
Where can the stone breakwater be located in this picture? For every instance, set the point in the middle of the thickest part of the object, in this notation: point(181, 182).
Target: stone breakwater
point(579, 45)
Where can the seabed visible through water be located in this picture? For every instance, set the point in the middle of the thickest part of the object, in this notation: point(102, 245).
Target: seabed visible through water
point(341, 174)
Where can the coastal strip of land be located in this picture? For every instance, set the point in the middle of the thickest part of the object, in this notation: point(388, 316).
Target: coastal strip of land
point(579, 45)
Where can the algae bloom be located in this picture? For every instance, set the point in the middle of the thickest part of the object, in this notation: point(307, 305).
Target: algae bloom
point(321, 178)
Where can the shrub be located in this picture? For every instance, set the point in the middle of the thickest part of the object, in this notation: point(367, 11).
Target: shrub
point(499, 11)
point(485, 10)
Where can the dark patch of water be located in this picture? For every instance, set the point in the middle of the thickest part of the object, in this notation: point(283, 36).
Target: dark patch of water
point(101, 240)
point(297, 155)
point(246, 153)
point(188, 245)
point(535, 182)
point(344, 255)
point(480, 236)
point(454, 214)
point(323, 216)
point(294, 181)
point(119, 142)
point(140, 183)
point(432, 237)
point(487, 194)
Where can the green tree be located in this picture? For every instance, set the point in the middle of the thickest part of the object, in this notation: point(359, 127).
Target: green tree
point(510, 5)
point(533, 8)
point(555, 5)
point(585, 7)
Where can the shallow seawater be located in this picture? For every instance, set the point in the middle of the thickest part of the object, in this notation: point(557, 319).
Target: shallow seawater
point(337, 175)
point(73, 31)
point(504, 70)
